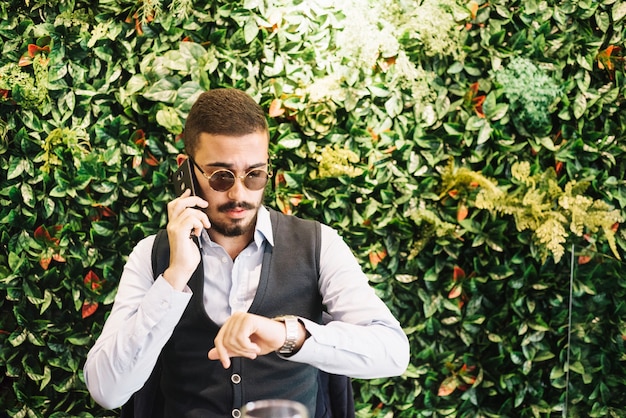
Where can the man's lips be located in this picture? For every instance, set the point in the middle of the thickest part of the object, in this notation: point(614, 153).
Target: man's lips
point(236, 212)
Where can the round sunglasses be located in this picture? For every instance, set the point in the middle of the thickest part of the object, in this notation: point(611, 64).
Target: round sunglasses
point(223, 179)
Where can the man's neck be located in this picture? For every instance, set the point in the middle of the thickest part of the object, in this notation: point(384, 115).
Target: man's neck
point(233, 245)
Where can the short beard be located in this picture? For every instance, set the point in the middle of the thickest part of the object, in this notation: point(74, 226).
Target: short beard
point(235, 229)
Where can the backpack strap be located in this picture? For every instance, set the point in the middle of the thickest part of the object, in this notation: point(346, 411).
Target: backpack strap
point(160, 253)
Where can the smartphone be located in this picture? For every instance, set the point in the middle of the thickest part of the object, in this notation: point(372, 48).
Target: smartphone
point(184, 178)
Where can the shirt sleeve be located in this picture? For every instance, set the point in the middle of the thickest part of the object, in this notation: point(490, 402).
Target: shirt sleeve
point(362, 338)
point(143, 317)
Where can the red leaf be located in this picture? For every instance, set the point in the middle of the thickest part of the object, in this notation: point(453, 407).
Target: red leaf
point(151, 160)
point(104, 211)
point(447, 386)
point(373, 134)
point(89, 308)
point(477, 103)
point(139, 138)
point(455, 292)
point(279, 179)
point(583, 259)
point(473, 90)
point(558, 167)
point(276, 108)
point(377, 256)
point(138, 25)
point(33, 50)
point(25, 61)
point(58, 258)
point(458, 273)
point(296, 199)
point(461, 212)
point(45, 262)
point(284, 205)
point(473, 8)
point(93, 281)
point(41, 233)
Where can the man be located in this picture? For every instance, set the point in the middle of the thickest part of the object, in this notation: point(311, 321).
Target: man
point(237, 314)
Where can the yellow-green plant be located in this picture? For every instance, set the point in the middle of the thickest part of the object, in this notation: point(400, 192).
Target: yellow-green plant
point(26, 90)
point(430, 226)
point(538, 203)
point(335, 161)
point(60, 144)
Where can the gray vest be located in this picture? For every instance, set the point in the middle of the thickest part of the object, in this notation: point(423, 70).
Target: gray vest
point(194, 386)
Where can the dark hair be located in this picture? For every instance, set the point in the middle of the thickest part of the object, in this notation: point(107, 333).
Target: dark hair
point(223, 111)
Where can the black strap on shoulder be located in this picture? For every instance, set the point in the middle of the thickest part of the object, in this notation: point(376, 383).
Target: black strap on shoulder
point(160, 253)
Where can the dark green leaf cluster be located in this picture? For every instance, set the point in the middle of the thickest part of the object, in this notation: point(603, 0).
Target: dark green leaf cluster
point(400, 124)
point(531, 93)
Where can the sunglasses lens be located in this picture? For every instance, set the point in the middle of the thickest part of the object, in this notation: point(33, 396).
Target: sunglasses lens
point(222, 180)
point(256, 179)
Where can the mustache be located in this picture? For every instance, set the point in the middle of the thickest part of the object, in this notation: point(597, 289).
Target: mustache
point(235, 205)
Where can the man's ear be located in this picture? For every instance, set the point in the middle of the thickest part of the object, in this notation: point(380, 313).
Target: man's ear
point(180, 158)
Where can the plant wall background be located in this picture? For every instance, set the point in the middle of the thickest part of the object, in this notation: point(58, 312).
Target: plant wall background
point(470, 152)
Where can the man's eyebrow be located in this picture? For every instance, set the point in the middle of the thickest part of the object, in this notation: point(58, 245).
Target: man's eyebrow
point(230, 166)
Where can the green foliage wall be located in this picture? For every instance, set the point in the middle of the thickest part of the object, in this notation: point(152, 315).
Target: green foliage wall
point(470, 152)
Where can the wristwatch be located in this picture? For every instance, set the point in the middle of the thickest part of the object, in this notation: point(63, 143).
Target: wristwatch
point(291, 331)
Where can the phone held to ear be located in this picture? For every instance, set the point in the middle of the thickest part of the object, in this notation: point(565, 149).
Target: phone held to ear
point(183, 179)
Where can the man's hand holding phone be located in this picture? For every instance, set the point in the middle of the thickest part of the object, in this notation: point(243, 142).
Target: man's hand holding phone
point(184, 221)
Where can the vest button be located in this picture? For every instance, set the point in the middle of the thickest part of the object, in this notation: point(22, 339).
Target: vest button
point(235, 378)
point(236, 413)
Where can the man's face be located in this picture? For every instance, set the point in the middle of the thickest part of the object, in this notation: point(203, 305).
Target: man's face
point(232, 212)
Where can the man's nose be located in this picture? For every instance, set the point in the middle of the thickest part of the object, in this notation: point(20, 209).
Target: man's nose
point(238, 189)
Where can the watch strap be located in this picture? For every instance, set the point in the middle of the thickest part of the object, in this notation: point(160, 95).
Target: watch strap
point(291, 333)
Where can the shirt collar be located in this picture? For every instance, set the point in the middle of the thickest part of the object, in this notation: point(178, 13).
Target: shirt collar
point(263, 228)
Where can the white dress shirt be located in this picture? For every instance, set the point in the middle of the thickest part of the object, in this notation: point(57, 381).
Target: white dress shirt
point(361, 339)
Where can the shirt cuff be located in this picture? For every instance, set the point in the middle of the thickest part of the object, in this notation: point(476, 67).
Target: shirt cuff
point(314, 346)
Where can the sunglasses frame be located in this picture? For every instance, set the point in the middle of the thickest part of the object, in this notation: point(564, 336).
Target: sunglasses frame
point(235, 176)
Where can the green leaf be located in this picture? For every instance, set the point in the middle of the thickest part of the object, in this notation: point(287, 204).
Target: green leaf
point(579, 106)
point(15, 261)
point(103, 228)
point(164, 90)
point(79, 340)
point(250, 30)
point(168, 118)
point(18, 337)
point(16, 168)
